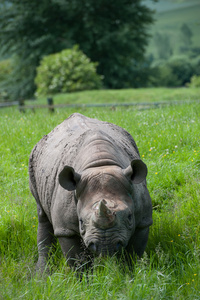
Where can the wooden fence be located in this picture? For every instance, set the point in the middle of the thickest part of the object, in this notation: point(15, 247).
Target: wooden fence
point(51, 106)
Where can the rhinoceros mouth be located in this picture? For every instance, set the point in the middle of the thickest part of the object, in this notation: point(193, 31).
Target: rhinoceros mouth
point(98, 248)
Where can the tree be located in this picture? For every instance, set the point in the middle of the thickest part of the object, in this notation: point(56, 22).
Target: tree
point(113, 33)
point(163, 46)
point(175, 72)
point(186, 35)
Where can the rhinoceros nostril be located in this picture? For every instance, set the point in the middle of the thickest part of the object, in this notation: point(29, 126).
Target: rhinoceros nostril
point(92, 247)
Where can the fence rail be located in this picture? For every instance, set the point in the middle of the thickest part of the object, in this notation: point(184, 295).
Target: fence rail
point(138, 105)
point(8, 104)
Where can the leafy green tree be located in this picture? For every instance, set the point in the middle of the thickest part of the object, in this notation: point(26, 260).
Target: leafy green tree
point(113, 33)
point(5, 71)
point(173, 73)
point(186, 35)
point(163, 46)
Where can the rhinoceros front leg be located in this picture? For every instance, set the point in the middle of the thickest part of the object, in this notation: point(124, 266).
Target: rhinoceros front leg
point(138, 241)
point(45, 239)
point(71, 248)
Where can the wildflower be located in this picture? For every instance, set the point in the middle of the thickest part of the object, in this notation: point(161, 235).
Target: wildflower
point(143, 155)
point(33, 225)
point(22, 165)
point(34, 217)
point(156, 173)
point(179, 235)
point(171, 241)
point(195, 274)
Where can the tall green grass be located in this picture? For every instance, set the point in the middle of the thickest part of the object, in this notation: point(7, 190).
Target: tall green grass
point(168, 140)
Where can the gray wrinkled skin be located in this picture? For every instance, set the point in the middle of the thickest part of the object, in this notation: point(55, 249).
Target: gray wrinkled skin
point(90, 187)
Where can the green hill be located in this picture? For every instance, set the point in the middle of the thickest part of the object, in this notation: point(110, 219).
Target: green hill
point(166, 5)
point(168, 24)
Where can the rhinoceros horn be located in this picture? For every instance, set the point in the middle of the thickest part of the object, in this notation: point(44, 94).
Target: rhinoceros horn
point(103, 217)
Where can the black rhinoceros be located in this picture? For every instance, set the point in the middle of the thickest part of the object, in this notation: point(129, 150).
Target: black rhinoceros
point(90, 187)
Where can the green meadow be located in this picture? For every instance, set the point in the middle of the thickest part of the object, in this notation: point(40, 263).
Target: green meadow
point(169, 143)
point(142, 95)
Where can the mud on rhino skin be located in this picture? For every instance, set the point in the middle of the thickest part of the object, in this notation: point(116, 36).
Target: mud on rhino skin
point(90, 187)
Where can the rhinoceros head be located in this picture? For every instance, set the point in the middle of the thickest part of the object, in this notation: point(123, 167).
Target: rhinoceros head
point(105, 204)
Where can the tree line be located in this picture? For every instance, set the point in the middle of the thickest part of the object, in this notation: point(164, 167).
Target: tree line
point(112, 33)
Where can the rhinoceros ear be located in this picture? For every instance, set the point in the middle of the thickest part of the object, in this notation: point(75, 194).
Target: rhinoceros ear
point(68, 178)
point(136, 171)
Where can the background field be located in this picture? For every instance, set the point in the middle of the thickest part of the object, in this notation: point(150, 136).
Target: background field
point(169, 18)
point(124, 96)
point(168, 140)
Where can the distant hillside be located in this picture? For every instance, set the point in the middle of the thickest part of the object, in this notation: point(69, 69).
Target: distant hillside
point(166, 5)
point(168, 24)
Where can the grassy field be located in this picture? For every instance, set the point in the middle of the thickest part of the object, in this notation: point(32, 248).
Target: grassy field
point(124, 96)
point(168, 140)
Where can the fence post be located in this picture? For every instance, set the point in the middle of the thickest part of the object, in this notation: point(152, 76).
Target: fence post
point(50, 104)
point(21, 106)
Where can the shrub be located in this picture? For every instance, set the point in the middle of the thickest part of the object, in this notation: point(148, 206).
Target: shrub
point(195, 81)
point(182, 69)
point(67, 71)
point(196, 65)
point(5, 71)
point(174, 73)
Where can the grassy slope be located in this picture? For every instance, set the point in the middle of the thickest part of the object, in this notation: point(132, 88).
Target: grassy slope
point(125, 96)
point(170, 22)
point(167, 5)
point(168, 140)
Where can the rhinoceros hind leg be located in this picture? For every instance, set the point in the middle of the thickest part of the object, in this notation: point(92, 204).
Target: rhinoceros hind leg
point(45, 239)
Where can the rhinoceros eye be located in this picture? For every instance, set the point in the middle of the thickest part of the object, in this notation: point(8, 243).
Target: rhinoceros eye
point(130, 217)
point(130, 220)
